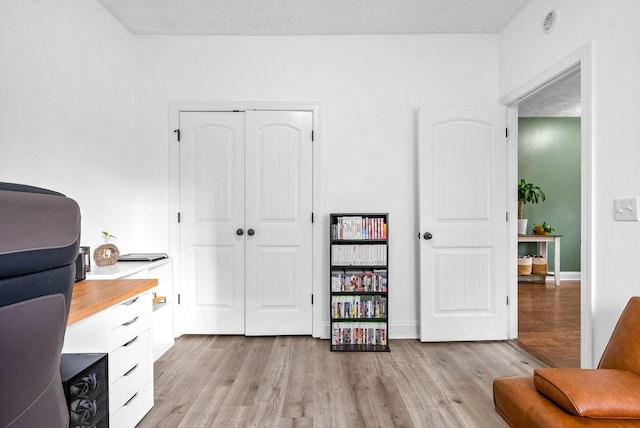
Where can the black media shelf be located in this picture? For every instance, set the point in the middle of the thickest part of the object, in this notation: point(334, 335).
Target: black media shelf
point(359, 293)
point(359, 241)
point(359, 272)
point(355, 267)
point(360, 348)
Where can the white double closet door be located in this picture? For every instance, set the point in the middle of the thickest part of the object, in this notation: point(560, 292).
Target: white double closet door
point(245, 226)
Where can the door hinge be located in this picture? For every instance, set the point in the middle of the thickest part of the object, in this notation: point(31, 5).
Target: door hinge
point(312, 136)
point(178, 217)
point(506, 132)
point(507, 300)
point(312, 299)
point(312, 218)
point(507, 216)
point(177, 131)
point(178, 298)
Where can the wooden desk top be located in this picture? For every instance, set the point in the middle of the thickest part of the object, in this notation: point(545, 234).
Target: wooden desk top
point(94, 295)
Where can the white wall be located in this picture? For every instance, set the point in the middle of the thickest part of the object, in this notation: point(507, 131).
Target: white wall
point(84, 110)
point(84, 107)
point(525, 52)
point(369, 89)
point(66, 108)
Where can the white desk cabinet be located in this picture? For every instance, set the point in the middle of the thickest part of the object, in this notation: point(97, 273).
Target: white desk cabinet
point(124, 331)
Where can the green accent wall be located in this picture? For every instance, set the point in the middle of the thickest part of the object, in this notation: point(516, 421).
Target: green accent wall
point(549, 157)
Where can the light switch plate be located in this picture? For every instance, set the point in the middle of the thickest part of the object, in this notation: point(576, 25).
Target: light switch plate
point(626, 209)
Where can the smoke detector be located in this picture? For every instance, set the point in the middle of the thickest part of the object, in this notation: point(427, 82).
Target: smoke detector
point(550, 21)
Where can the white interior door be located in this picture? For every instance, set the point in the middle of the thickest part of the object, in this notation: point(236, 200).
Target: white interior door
point(463, 206)
point(278, 220)
point(211, 211)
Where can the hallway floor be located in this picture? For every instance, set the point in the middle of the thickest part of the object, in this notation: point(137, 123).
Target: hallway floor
point(549, 322)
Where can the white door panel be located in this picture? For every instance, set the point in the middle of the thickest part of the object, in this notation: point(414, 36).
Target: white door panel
point(463, 206)
point(278, 209)
point(212, 209)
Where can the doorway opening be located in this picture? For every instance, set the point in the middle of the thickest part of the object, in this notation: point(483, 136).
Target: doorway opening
point(549, 143)
point(567, 80)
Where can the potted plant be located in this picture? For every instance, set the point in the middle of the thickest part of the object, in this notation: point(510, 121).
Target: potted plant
point(542, 229)
point(106, 254)
point(528, 193)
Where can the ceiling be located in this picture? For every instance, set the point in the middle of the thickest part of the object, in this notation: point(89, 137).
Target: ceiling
point(559, 99)
point(340, 17)
point(312, 17)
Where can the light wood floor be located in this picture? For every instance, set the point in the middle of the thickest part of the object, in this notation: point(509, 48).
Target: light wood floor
point(236, 381)
point(549, 322)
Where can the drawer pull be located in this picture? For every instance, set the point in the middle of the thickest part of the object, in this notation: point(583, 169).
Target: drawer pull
point(128, 323)
point(130, 400)
point(131, 302)
point(131, 371)
point(131, 341)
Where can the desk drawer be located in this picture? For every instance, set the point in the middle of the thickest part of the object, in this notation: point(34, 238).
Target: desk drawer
point(128, 310)
point(127, 331)
point(134, 408)
point(127, 356)
point(130, 383)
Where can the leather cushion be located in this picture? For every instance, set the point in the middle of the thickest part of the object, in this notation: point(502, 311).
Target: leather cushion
point(623, 350)
point(595, 393)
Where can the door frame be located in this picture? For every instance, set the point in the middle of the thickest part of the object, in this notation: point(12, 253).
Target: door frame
point(581, 59)
point(175, 107)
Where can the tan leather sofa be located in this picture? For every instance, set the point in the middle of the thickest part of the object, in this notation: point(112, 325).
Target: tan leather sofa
point(608, 396)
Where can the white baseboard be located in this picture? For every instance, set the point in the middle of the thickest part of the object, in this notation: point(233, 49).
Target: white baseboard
point(564, 276)
point(570, 276)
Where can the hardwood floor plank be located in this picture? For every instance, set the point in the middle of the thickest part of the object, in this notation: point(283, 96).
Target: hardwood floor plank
point(298, 400)
point(344, 412)
point(549, 322)
point(235, 381)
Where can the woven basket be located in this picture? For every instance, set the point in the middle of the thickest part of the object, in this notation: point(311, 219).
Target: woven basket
point(539, 265)
point(524, 265)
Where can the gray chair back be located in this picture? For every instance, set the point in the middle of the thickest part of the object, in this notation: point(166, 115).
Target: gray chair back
point(39, 243)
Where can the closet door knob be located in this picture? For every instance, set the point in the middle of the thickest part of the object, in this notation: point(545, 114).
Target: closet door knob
point(251, 232)
point(427, 236)
point(239, 232)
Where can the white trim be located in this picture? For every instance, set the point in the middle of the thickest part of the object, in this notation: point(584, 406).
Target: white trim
point(564, 276)
point(404, 330)
point(547, 77)
point(570, 276)
point(175, 107)
point(583, 59)
point(512, 207)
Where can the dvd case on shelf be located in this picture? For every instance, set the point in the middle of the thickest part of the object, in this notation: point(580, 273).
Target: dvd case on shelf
point(356, 227)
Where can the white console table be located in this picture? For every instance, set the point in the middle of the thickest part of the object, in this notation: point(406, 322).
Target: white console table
point(542, 241)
